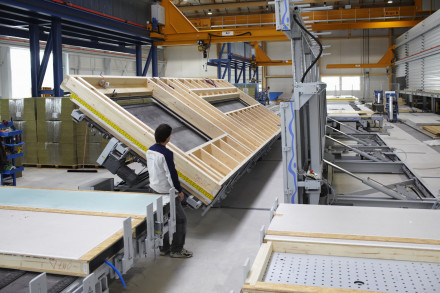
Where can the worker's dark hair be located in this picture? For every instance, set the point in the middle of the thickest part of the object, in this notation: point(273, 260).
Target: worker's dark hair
point(162, 132)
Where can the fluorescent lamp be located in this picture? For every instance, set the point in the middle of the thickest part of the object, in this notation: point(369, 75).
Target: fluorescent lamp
point(209, 12)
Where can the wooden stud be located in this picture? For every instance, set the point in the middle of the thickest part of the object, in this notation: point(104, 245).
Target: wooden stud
point(260, 263)
point(221, 156)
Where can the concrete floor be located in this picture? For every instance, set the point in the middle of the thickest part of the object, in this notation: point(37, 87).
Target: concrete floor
point(221, 240)
point(225, 237)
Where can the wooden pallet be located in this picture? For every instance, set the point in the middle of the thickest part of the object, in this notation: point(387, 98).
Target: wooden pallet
point(235, 137)
point(433, 129)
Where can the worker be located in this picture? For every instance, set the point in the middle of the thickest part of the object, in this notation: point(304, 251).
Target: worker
point(266, 101)
point(163, 177)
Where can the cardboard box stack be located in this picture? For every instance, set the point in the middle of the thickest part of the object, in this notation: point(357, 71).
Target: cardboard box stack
point(56, 131)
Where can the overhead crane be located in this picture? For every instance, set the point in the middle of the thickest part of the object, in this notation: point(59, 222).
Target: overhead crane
point(178, 30)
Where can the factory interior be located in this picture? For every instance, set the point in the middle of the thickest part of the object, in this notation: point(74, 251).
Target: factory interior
point(219, 146)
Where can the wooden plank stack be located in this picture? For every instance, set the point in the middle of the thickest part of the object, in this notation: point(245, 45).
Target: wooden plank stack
point(236, 136)
point(433, 129)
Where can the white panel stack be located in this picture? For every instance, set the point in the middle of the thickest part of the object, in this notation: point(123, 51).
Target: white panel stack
point(432, 73)
point(401, 69)
point(418, 53)
point(415, 75)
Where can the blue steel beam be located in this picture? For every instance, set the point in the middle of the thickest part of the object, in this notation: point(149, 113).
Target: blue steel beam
point(46, 55)
point(243, 69)
point(239, 75)
point(20, 33)
point(147, 63)
point(219, 70)
point(18, 17)
point(139, 60)
point(221, 51)
point(78, 16)
point(154, 60)
point(57, 56)
point(224, 72)
point(229, 62)
point(34, 47)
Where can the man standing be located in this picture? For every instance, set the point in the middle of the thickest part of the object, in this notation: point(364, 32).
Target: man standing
point(163, 176)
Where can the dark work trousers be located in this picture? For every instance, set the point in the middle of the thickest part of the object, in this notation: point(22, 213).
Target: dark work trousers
point(180, 234)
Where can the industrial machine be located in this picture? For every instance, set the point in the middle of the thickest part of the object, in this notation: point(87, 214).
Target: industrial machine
point(378, 105)
point(339, 247)
point(313, 151)
point(77, 243)
point(391, 106)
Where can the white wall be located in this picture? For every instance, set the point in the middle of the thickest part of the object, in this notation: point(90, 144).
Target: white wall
point(187, 61)
point(342, 51)
point(349, 51)
point(95, 65)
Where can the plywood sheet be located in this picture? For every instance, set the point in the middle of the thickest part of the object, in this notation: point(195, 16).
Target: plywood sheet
point(358, 223)
point(54, 235)
point(121, 203)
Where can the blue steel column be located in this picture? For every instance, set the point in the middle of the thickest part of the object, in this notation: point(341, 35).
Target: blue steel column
point(229, 62)
point(236, 73)
point(219, 70)
point(43, 66)
point(147, 64)
point(219, 64)
point(34, 46)
point(154, 57)
point(244, 72)
point(139, 60)
point(57, 58)
point(257, 75)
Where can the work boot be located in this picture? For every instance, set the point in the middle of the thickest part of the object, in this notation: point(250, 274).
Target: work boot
point(164, 252)
point(181, 254)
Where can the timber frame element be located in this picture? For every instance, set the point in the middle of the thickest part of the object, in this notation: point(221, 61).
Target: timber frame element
point(235, 137)
point(302, 230)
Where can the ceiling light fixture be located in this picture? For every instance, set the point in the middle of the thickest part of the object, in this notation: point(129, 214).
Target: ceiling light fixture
point(209, 12)
point(390, 1)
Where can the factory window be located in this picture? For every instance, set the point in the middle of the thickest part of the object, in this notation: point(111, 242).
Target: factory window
point(21, 73)
point(332, 82)
point(351, 83)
